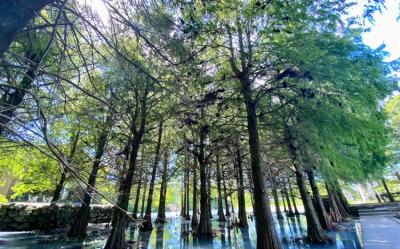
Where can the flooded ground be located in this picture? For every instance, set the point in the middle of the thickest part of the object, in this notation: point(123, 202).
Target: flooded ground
point(177, 234)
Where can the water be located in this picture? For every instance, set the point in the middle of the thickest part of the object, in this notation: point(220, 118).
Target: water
point(176, 234)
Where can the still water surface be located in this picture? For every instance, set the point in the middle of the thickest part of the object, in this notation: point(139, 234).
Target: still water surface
point(176, 234)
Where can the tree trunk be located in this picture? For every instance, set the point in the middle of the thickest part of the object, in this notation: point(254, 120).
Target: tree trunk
point(240, 182)
point(116, 239)
point(137, 196)
point(209, 191)
point(11, 101)
point(143, 197)
point(161, 218)
point(147, 224)
point(204, 229)
point(50, 221)
point(187, 191)
point(140, 183)
point(15, 15)
point(336, 216)
point(283, 201)
point(195, 220)
point(390, 196)
point(227, 213)
point(290, 212)
point(221, 216)
point(315, 233)
point(321, 211)
point(296, 212)
point(79, 226)
point(398, 175)
point(266, 234)
point(183, 196)
point(377, 196)
point(232, 208)
point(278, 211)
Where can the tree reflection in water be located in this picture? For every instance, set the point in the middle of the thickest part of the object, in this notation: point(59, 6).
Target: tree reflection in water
point(178, 233)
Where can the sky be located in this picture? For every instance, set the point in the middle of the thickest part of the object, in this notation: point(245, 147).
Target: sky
point(385, 30)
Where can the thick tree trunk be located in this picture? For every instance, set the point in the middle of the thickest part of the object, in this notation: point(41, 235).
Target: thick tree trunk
point(266, 234)
point(116, 239)
point(195, 220)
point(15, 15)
point(240, 182)
point(278, 211)
point(78, 228)
point(321, 211)
point(161, 218)
point(336, 216)
point(398, 175)
point(221, 216)
point(204, 229)
point(296, 212)
point(147, 224)
point(390, 196)
point(315, 233)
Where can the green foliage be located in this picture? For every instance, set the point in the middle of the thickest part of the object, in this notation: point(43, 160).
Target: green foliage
point(34, 172)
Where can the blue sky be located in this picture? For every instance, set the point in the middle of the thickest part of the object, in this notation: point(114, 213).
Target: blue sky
point(385, 30)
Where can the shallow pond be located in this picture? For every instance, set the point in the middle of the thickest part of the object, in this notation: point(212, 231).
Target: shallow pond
point(176, 234)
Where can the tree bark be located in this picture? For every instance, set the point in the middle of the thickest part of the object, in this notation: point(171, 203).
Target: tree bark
point(147, 224)
point(321, 211)
point(209, 191)
point(336, 216)
point(227, 213)
point(290, 212)
point(315, 233)
point(279, 215)
point(390, 196)
point(195, 220)
point(187, 191)
point(161, 218)
point(204, 229)
point(296, 212)
point(78, 229)
point(283, 201)
point(240, 182)
point(116, 240)
point(143, 197)
point(266, 234)
point(137, 196)
point(221, 216)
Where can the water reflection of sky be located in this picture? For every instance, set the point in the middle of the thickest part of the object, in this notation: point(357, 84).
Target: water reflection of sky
point(176, 234)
